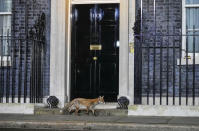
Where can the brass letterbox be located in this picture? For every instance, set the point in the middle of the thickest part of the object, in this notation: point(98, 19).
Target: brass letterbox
point(95, 47)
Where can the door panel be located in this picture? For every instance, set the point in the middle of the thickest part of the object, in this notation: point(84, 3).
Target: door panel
point(95, 71)
point(81, 31)
point(83, 81)
point(83, 73)
point(108, 71)
point(108, 48)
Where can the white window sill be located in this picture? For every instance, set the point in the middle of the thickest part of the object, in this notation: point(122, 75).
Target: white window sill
point(5, 61)
point(190, 60)
point(5, 13)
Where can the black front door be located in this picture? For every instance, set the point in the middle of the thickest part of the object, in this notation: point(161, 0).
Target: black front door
point(95, 51)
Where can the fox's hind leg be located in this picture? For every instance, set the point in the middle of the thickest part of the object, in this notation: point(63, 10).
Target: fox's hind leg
point(76, 108)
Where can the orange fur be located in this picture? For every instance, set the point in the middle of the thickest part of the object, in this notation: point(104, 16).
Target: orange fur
point(88, 103)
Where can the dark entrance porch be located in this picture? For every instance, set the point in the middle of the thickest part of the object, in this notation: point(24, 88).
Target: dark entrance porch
point(95, 51)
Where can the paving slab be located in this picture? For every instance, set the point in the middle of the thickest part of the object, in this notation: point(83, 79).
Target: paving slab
point(184, 121)
point(145, 120)
point(116, 123)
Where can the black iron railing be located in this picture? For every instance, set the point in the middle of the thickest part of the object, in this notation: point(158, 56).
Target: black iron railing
point(21, 70)
point(166, 54)
point(167, 69)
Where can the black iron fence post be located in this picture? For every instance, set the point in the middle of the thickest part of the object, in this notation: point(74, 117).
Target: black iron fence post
point(194, 57)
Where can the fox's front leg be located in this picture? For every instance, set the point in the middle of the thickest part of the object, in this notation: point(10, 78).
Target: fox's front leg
point(93, 111)
point(87, 110)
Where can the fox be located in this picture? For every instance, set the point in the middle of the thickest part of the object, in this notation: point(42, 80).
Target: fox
point(88, 103)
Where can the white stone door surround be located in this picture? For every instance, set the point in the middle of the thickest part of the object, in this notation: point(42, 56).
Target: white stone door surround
point(60, 48)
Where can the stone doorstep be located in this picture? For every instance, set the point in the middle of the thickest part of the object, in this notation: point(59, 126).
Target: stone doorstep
point(102, 106)
point(108, 109)
point(99, 112)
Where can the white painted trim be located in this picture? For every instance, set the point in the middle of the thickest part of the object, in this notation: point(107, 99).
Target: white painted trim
point(5, 13)
point(191, 5)
point(183, 61)
point(131, 50)
point(68, 55)
point(124, 49)
point(94, 1)
point(147, 110)
point(17, 108)
point(5, 61)
point(183, 27)
point(58, 50)
point(193, 29)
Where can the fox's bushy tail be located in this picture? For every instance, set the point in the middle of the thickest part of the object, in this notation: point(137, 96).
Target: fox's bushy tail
point(69, 105)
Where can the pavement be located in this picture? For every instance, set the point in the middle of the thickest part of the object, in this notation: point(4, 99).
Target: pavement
point(95, 123)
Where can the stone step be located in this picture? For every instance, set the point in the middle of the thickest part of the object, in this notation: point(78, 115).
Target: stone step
point(98, 112)
point(102, 112)
point(47, 111)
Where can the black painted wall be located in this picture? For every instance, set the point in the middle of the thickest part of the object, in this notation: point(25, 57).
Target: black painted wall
point(25, 14)
point(155, 29)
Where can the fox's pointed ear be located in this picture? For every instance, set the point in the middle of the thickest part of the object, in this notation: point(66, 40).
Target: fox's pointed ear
point(102, 96)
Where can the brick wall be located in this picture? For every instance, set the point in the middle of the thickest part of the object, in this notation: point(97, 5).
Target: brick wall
point(25, 14)
point(156, 28)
